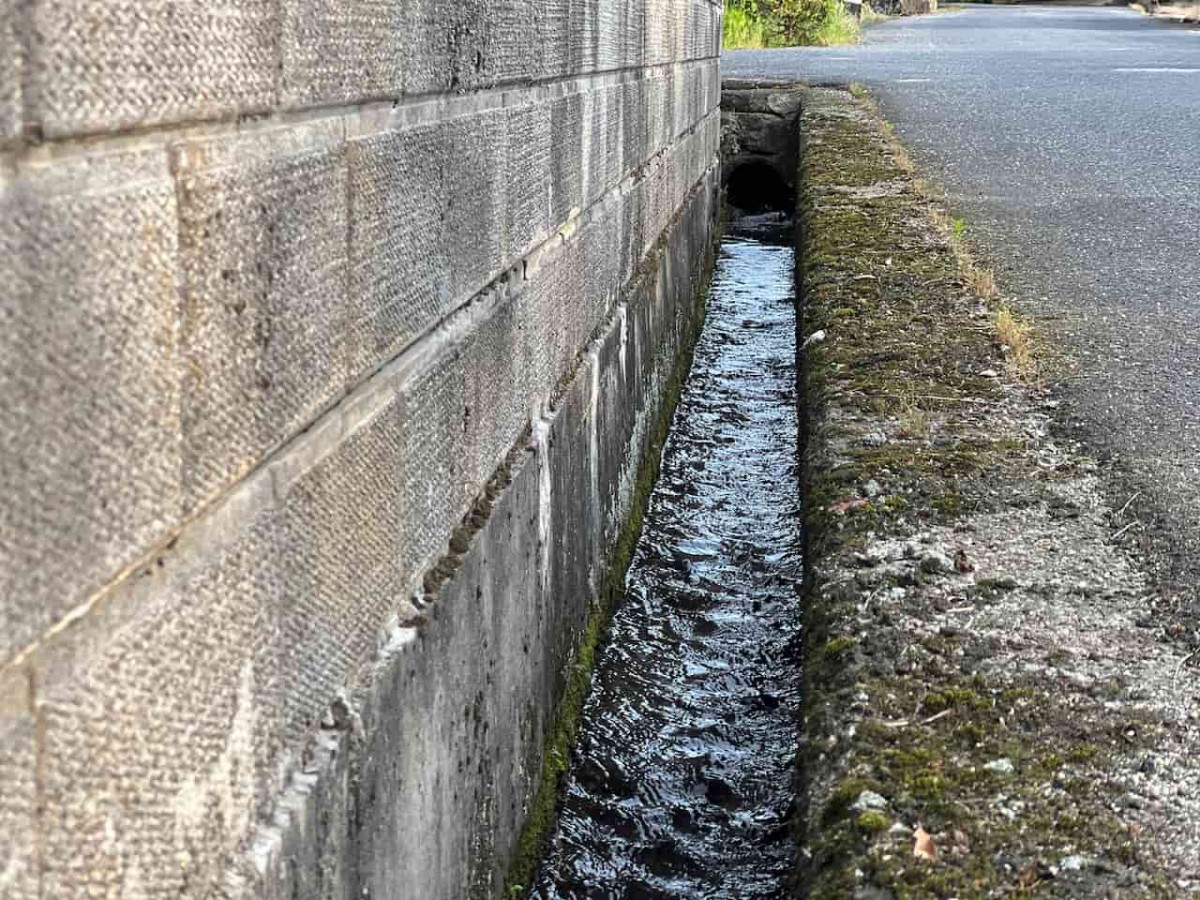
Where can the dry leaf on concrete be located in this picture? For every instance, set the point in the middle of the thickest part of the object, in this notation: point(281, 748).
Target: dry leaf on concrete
point(923, 847)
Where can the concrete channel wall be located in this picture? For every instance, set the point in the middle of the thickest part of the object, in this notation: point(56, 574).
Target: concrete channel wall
point(330, 338)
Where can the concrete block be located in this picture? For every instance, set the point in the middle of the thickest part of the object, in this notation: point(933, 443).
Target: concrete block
point(553, 18)
point(443, 44)
point(566, 153)
point(634, 40)
point(18, 800)
point(359, 50)
point(701, 33)
point(90, 451)
point(528, 177)
point(513, 48)
point(401, 282)
point(614, 408)
point(435, 416)
point(11, 67)
point(600, 35)
point(660, 184)
point(660, 110)
point(574, 553)
point(456, 724)
point(304, 851)
point(175, 713)
point(336, 51)
point(664, 19)
point(602, 277)
point(691, 104)
point(341, 564)
point(475, 200)
point(156, 726)
point(633, 127)
point(263, 235)
point(559, 325)
point(633, 235)
point(496, 394)
point(104, 67)
point(609, 171)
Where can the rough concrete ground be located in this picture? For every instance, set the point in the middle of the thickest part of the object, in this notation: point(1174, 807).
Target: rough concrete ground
point(979, 661)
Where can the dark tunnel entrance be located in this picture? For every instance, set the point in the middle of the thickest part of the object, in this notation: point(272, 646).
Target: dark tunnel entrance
point(756, 187)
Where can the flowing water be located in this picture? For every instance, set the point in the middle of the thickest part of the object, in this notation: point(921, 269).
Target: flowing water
point(682, 784)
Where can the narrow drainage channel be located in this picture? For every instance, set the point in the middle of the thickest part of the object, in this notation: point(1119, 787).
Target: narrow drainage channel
point(682, 784)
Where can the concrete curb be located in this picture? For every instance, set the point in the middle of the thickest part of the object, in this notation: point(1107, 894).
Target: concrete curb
point(980, 703)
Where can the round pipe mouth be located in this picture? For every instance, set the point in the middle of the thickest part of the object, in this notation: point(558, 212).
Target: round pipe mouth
point(756, 186)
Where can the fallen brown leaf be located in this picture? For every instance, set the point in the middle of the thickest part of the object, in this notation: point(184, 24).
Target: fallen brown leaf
point(1032, 875)
point(923, 847)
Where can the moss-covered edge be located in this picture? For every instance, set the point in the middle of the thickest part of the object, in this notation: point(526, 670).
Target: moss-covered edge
point(885, 332)
point(543, 811)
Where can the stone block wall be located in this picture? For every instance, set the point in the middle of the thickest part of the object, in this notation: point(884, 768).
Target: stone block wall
point(329, 336)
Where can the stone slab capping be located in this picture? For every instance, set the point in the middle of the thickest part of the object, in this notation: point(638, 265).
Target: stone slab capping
point(329, 333)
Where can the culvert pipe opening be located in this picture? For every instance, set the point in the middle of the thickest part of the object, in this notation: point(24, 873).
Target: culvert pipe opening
point(757, 187)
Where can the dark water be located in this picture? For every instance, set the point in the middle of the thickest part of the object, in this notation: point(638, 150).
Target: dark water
point(682, 784)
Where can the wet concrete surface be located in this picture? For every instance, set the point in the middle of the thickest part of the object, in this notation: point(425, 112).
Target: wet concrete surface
point(682, 784)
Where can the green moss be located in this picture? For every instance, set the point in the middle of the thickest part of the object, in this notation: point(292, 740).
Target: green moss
point(953, 698)
point(837, 646)
point(873, 821)
point(938, 775)
point(1017, 694)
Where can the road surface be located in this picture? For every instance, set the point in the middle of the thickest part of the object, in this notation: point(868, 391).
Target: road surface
point(1069, 139)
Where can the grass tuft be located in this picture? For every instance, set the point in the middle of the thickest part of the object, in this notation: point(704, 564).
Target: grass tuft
point(743, 28)
point(754, 24)
point(837, 27)
point(1014, 336)
point(870, 17)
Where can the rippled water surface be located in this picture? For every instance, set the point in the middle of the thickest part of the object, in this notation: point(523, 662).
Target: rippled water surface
point(682, 783)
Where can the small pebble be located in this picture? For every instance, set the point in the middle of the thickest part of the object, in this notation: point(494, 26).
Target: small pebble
point(1003, 766)
point(869, 800)
point(1132, 801)
point(936, 563)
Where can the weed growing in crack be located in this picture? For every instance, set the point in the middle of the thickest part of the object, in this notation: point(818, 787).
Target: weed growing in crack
point(1014, 336)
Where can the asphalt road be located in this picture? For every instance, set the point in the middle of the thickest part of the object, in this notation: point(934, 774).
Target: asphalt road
point(1069, 139)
